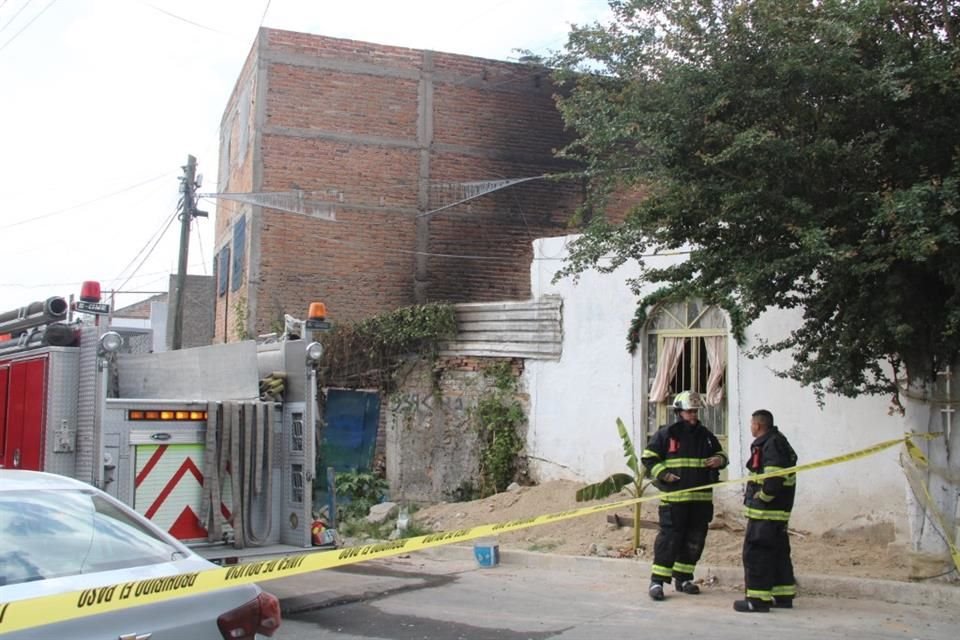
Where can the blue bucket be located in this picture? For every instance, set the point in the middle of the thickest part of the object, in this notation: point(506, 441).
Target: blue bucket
point(487, 553)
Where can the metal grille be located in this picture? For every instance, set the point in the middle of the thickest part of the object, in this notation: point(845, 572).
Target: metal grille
point(296, 483)
point(296, 432)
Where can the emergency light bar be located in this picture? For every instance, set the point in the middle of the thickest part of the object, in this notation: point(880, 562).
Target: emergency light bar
point(178, 415)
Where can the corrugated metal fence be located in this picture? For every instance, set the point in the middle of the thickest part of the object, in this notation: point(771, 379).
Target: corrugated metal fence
point(529, 329)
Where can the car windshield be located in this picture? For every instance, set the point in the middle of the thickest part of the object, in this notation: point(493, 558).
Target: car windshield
point(49, 534)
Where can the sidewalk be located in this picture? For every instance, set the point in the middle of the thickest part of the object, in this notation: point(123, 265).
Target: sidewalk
point(325, 588)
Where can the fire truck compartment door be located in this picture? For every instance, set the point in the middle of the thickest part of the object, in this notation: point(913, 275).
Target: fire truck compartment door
point(168, 482)
point(4, 377)
point(23, 415)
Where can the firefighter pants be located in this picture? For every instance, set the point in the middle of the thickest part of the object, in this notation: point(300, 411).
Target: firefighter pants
point(683, 532)
point(768, 570)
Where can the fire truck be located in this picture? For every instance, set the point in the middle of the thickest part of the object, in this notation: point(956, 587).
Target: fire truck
point(184, 437)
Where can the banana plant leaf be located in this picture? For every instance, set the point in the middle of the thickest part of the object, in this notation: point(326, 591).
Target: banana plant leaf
point(628, 451)
point(605, 488)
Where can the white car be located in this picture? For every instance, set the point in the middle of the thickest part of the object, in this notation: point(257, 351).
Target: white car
point(59, 535)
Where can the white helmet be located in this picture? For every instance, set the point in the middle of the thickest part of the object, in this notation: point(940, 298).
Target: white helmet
point(687, 401)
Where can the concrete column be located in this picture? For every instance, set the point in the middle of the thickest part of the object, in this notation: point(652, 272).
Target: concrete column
point(424, 143)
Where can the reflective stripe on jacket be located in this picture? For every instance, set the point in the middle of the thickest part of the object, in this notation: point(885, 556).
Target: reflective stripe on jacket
point(772, 498)
point(682, 449)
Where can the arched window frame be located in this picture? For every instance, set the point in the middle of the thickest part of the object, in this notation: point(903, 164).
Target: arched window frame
point(691, 321)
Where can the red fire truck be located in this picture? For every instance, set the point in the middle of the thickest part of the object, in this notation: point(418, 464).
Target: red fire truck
point(181, 436)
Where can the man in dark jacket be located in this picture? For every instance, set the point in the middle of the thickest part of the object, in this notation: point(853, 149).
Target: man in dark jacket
point(682, 455)
point(768, 571)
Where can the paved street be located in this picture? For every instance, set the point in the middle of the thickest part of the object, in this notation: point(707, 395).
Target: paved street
point(423, 598)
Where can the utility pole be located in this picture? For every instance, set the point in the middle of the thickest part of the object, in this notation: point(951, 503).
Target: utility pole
point(188, 211)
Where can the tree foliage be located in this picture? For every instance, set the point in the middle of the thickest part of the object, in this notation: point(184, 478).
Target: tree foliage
point(806, 153)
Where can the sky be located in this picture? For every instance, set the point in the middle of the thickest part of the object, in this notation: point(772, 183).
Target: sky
point(101, 101)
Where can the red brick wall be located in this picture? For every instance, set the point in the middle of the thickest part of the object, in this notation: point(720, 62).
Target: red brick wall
point(343, 102)
point(351, 122)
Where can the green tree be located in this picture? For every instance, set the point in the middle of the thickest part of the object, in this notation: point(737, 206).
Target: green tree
point(805, 153)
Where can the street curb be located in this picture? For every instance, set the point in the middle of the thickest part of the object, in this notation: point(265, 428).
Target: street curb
point(908, 593)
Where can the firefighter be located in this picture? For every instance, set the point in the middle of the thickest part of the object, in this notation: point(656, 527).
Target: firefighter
point(682, 455)
point(768, 571)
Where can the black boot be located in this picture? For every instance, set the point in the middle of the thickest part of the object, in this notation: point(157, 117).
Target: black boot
point(656, 591)
point(751, 605)
point(687, 586)
point(783, 603)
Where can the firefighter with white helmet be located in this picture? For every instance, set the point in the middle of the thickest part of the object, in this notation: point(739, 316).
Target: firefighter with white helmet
point(682, 455)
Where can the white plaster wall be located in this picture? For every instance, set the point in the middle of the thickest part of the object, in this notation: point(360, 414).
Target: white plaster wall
point(574, 403)
point(872, 487)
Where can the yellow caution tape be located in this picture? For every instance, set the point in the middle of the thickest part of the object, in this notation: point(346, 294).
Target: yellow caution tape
point(921, 460)
point(915, 452)
point(22, 614)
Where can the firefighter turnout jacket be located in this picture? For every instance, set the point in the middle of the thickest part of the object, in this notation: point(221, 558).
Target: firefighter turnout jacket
point(682, 449)
point(772, 498)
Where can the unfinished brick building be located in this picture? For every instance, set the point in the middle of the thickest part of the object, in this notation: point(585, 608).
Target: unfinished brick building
point(382, 137)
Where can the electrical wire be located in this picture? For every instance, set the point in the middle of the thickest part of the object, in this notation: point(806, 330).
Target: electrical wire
point(182, 19)
point(513, 182)
point(411, 251)
point(146, 257)
point(203, 259)
point(19, 11)
point(50, 214)
point(363, 247)
point(231, 206)
point(73, 283)
point(160, 230)
point(264, 16)
point(24, 28)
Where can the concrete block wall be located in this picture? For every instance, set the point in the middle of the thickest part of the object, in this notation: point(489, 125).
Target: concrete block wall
point(429, 441)
point(374, 129)
point(198, 316)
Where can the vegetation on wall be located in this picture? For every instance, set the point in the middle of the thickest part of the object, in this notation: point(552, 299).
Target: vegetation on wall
point(368, 353)
point(499, 417)
point(240, 314)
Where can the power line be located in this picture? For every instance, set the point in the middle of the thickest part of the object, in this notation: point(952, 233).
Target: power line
point(203, 259)
point(24, 28)
point(182, 19)
point(473, 190)
point(19, 11)
point(150, 252)
point(411, 251)
point(264, 16)
point(77, 283)
point(165, 224)
point(83, 204)
point(383, 249)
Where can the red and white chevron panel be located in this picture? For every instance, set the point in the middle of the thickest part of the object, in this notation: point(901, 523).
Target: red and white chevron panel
point(168, 488)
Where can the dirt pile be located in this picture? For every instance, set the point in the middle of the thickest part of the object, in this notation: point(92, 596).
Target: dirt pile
point(593, 535)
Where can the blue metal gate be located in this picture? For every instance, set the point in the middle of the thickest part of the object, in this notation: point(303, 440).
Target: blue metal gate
point(349, 437)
